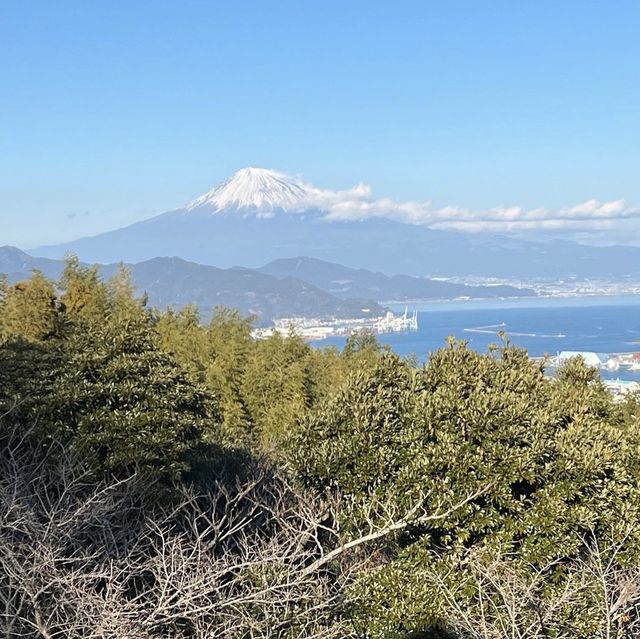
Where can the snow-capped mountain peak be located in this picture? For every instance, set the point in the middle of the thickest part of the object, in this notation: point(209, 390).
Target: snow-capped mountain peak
point(259, 190)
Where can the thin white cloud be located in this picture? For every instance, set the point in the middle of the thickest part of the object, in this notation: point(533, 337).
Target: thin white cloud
point(358, 204)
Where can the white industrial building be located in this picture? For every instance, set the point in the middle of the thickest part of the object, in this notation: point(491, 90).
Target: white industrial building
point(597, 360)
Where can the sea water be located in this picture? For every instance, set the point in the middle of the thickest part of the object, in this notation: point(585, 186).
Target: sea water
point(543, 326)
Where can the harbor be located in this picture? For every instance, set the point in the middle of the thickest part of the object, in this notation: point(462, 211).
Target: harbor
point(313, 329)
point(542, 327)
point(604, 331)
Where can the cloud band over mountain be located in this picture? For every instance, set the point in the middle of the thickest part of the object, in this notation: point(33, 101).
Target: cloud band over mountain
point(264, 191)
point(259, 215)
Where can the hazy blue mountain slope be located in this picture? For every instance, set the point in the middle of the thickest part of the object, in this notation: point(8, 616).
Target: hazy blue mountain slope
point(347, 282)
point(176, 282)
point(302, 286)
point(229, 239)
point(17, 264)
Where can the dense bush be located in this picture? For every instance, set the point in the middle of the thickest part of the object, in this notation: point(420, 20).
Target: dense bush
point(518, 465)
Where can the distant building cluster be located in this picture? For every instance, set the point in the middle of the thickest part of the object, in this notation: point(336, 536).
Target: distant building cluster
point(603, 361)
point(630, 361)
point(317, 329)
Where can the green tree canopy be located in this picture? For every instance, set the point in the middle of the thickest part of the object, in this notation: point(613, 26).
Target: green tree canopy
point(85, 296)
point(30, 309)
point(105, 388)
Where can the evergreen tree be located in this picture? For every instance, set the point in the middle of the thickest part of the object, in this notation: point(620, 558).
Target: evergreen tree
point(131, 404)
point(106, 389)
point(30, 309)
point(85, 296)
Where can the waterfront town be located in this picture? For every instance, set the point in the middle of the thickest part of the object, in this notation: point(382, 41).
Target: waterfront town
point(317, 329)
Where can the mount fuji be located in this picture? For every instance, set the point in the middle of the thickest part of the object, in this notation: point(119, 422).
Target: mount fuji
point(260, 191)
point(260, 215)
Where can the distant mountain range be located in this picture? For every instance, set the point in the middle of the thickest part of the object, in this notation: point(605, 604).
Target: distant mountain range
point(171, 281)
point(279, 289)
point(18, 265)
point(258, 216)
point(345, 282)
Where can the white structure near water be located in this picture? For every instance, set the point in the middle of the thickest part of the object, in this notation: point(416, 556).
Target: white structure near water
point(317, 329)
point(629, 361)
point(390, 323)
point(597, 360)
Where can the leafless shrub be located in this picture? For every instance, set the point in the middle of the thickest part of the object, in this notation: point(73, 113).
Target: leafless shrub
point(85, 560)
point(596, 598)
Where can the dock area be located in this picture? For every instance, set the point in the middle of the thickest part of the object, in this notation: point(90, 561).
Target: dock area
point(316, 329)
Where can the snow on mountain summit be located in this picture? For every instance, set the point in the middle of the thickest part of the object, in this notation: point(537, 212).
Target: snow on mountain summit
point(259, 190)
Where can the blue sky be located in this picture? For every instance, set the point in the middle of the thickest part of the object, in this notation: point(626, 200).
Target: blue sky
point(114, 111)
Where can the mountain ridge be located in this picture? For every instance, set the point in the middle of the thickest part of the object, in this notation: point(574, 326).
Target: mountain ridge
point(345, 282)
point(172, 281)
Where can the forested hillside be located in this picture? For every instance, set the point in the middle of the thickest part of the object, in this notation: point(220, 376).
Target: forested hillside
point(170, 281)
point(300, 287)
point(161, 477)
